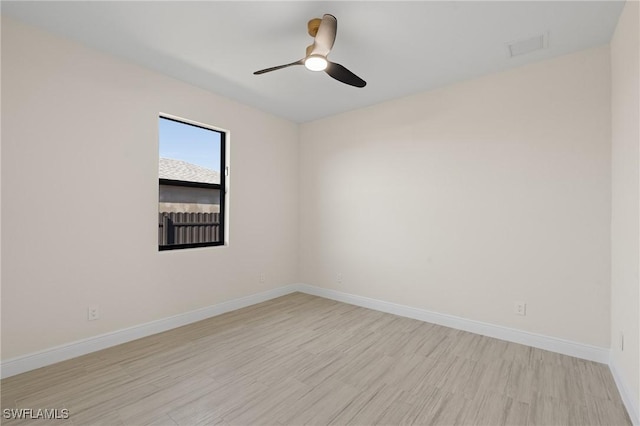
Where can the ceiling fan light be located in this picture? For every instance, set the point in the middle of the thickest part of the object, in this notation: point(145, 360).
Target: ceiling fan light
point(316, 63)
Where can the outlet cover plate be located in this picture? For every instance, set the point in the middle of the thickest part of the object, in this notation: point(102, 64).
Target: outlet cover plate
point(520, 308)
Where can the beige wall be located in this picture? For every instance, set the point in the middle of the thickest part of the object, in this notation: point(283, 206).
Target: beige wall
point(466, 199)
point(625, 255)
point(461, 200)
point(75, 121)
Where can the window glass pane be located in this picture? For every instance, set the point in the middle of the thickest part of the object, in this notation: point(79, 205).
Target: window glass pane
point(190, 187)
point(189, 152)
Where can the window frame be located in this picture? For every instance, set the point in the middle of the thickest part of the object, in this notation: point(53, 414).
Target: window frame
point(222, 186)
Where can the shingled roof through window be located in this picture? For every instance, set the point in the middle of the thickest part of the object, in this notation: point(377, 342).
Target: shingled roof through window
point(181, 170)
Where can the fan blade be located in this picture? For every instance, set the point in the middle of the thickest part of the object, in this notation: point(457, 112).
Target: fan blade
point(342, 74)
point(326, 35)
point(279, 67)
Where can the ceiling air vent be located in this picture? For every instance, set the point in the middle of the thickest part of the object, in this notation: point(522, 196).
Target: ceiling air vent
point(527, 45)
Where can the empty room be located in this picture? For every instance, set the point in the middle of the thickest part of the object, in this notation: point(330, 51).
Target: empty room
point(316, 212)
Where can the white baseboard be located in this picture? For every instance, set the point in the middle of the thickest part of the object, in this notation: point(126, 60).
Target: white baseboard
point(50, 356)
point(566, 347)
point(28, 362)
point(629, 401)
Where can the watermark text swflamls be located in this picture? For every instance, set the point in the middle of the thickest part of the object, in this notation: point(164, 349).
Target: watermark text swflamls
point(37, 413)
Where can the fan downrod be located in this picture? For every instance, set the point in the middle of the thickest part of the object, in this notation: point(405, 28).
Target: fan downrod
point(313, 25)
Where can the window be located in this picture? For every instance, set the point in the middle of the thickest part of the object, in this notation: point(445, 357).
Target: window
point(191, 203)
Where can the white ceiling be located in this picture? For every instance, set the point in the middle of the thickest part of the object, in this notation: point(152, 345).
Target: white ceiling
point(399, 48)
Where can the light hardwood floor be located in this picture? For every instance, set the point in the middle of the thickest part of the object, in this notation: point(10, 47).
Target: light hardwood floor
point(301, 359)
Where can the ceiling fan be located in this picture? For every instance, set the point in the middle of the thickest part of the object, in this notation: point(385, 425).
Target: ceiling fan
point(324, 33)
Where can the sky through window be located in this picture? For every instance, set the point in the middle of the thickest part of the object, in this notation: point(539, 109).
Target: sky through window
point(188, 143)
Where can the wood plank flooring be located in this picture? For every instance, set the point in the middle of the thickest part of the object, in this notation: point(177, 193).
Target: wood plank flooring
point(301, 359)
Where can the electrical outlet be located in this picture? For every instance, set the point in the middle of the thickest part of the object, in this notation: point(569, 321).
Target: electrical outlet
point(93, 313)
point(621, 341)
point(339, 278)
point(520, 308)
point(263, 278)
